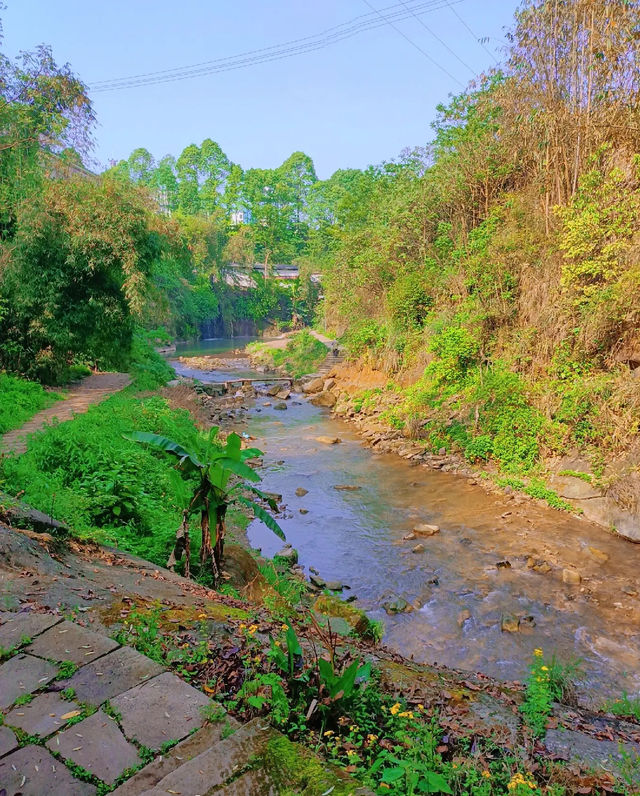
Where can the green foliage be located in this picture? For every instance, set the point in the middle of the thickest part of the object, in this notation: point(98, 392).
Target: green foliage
point(103, 486)
point(211, 466)
point(148, 369)
point(540, 693)
point(302, 354)
point(365, 335)
point(598, 227)
point(626, 706)
point(82, 252)
point(20, 399)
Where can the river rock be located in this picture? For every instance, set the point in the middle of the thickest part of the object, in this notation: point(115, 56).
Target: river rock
point(280, 405)
point(313, 386)
point(599, 555)
point(303, 511)
point(424, 529)
point(267, 403)
point(324, 398)
point(283, 394)
point(334, 585)
point(274, 390)
point(347, 487)
point(398, 606)
point(571, 577)
point(419, 548)
point(329, 440)
point(509, 623)
point(317, 581)
point(329, 384)
point(301, 491)
point(409, 537)
point(288, 554)
point(463, 616)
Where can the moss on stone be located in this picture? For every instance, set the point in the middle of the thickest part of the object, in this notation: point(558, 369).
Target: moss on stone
point(296, 770)
point(337, 608)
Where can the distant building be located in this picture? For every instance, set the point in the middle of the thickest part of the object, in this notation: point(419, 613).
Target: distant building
point(238, 217)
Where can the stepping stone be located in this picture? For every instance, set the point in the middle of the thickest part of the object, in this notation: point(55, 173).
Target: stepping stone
point(70, 642)
point(14, 627)
point(181, 753)
point(42, 716)
point(41, 773)
point(216, 766)
point(21, 675)
point(111, 675)
point(8, 741)
point(97, 745)
point(163, 709)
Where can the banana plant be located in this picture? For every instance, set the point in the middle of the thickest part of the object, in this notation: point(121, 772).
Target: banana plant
point(213, 494)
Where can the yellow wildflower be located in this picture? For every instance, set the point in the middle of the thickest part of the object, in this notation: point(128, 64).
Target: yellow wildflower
point(406, 714)
point(538, 652)
point(420, 707)
point(371, 737)
point(395, 708)
point(544, 668)
point(242, 626)
point(284, 627)
point(253, 629)
point(486, 774)
point(328, 733)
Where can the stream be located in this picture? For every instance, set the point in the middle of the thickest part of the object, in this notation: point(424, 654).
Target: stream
point(458, 592)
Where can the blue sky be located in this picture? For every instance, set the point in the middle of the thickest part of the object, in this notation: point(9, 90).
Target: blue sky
point(353, 103)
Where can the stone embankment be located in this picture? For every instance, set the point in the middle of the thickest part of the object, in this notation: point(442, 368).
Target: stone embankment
point(615, 506)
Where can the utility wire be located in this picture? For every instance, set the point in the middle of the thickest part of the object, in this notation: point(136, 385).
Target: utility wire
point(413, 44)
point(442, 41)
point(300, 46)
point(478, 40)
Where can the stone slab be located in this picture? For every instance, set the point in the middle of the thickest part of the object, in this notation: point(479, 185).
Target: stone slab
point(42, 715)
point(8, 741)
point(15, 626)
point(186, 750)
point(254, 782)
point(21, 675)
point(585, 749)
point(162, 709)
point(114, 673)
point(97, 745)
point(70, 642)
point(217, 765)
point(42, 774)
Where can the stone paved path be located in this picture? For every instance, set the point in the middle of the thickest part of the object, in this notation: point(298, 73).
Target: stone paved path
point(70, 733)
point(91, 390)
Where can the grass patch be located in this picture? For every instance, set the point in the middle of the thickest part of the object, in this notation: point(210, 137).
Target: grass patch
point(20, 400)
point(105, 487)
point(302, 354)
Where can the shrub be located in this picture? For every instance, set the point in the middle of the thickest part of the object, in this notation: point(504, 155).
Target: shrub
point(20, 400)
point(103, 486)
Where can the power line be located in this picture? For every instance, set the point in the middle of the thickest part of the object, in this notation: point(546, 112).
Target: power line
point(288, 49)
point(442, 41)
point(413, 44)
point(478, 40)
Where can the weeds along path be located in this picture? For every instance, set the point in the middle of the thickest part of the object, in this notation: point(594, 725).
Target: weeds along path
point(92, 390)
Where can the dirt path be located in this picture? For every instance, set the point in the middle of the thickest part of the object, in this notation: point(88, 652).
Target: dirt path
point(92, 390)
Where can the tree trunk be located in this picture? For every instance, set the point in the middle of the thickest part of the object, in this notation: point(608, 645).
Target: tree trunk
point(182, 546)
point(218, 550)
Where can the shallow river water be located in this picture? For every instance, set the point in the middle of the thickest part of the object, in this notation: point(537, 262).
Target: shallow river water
point(459, 592)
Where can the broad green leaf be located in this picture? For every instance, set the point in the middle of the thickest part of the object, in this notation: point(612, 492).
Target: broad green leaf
point(164, 444)
point(232, 449)
point(239, 468)
point(392, 775)
point(263, 516)
point(434, 783)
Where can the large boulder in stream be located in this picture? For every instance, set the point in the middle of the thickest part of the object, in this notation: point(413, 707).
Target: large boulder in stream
point(313, 386)
point(324, 398)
